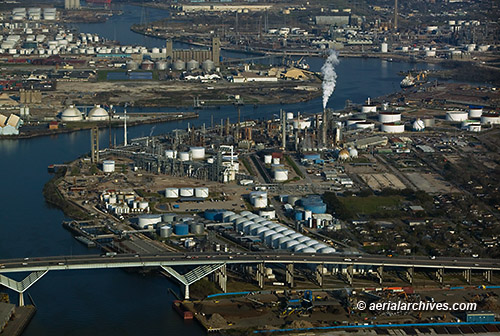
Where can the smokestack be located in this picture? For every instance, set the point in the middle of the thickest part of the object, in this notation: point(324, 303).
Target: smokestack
point(324, 128)
point(283, 129)
point(125, 126)
point(395, 14)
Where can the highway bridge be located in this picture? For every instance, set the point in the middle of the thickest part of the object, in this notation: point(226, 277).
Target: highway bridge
point(207, 263)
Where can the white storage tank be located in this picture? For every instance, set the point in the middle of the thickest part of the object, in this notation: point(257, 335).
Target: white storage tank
point(143, 205)
point(299, 247)
point(275, 240)
point(184, 156)
point(280, 175)
point(268, 159)
point(393, 128)
point(475, 112)
point(457, 116)
point(384, 47)
point(310, 242)
point(248, 229)
point(276, 160)
point(186, 192)
point(302, 239)
point(368, 108)
point(197, 153)
point(201, 192)
point(490, 119)
point(364, 125)
point(146, 221)
point(267, 213)
point(389, 117)
point(172, 192)
point(259, 230)
point(474, 127)
point(295, 235)
point(171, 154)
point(308, 250)
point(226, 215)
point(354, 121)
point(289, 245)
point(108, 166)
point(327, 250)
point(418, 125)
point(241, 225)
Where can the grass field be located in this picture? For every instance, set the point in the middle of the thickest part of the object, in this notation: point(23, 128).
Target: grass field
point(371, 204)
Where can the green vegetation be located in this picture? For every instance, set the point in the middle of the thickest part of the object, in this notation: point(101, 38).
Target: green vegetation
point(294, 166)
point(54, 197)
point(350, 207)
point(248, 167)
point(200, 289)
point(75, 171)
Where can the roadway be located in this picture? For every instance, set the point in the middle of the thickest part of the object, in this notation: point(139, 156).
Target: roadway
point(196, 258)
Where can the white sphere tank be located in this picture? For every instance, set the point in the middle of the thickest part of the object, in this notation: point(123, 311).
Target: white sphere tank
point(475, 112)
point(457, 116)
point(490, 119)
point(389, 117)
point(268, 159)
point(201, 192)
point(71, 114)
point(418, 125)
point(392, 128)
point(108, 166)
point(197, 153)
point(184, 156)
point(98, 114)
point(172, 192)
point(353, 153)
point(186, 192)
point(281, 175)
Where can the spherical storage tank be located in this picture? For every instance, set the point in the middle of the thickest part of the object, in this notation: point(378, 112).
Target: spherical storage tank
point(389, 117)
point(186, 192)
point(147, 220)
point(166, 231)
point(98, 114)
point(281, 175)
point(192, 65)
point(457, 116)
point(201, 192)
point(184, 156)
point(353, 153)
point(490, 119)
point(208, 66)
point(392, 128)
point(418, 125)
point(71, 114)
point(343, 154)
point(172, 192)
point(181, 229)
point(197, 153)
point(179, 65)
point(197, 228)
point(108, 166)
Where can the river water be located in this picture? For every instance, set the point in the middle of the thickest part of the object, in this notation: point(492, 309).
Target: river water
point(114, 302)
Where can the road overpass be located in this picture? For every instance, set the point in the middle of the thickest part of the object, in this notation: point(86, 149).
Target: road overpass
point(207, 263)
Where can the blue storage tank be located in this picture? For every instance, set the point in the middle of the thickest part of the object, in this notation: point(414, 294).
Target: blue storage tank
point(314, 204)
point(214, 214)
point(312, 156)
point(181, 229)
point(299, 215)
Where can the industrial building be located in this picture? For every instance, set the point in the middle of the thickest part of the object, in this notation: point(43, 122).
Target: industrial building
point(188, 55)
point(10, 125)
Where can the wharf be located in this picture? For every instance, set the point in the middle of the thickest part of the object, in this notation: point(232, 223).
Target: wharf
point(22, 318)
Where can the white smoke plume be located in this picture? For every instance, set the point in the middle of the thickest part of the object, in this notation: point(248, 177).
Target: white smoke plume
point(329, 75)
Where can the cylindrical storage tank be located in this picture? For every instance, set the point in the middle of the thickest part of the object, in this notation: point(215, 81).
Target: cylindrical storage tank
point(108, 166)
point(226, 215)
point(354, 121)
point(393, 128)
point(179, 65)
point(233, 218)
point(166, 231)
point(299, 215)
point(258, 231)
point(302, 239)
point(267, 234)
point(252, 216)
point(368, 108)
point(276, 160)
point(307, 250)
point(201, 192)
point(327, 250)
point(170, 154)
point(197, 228)
point(430, 53)
point(276, 166)
point(283, 240)
point(289, 245)
point(184, 156)
point(307, 214)
point(275, 240)
point(260, 219)
point(318, 246)
point(147, 65)
point(240, 221)
point(208, 66)
point(280, 175)
point(197, 153)
point(161, 65)
point(364, 125)
point(490, 119)
point(295, 235)
point(271, 226)
point(299, 247)
point(260, 202)
point(143, 205)
point(147, 220)
point(456, 116)
point(192, 65)
point(418, 125)
point(172, 192)
point(389, 117)
point(214, 214)
point(131, 65)
point(268, 159)
point(474, 128)
point(384, 47)
point(168, 217)
point(186, 192)
point(245, 226)
point(429, 121)
point(293, 199)
point(181, 229)
point(475, 111)
point(289, 115)
point(250, 228)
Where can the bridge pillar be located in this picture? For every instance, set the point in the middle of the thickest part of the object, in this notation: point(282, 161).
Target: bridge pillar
point(21, 299)
point(409, 274)
point(319, 275)
point(467, 275)
point(380, 274)
point(350, 274)
point(440, 275)
point(221, 278)
point(487, 275)
point(289, 275)
point(260, 274)
point(23, 285)
point(186, 292)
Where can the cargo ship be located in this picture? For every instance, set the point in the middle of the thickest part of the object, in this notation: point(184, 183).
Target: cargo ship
point(183, 311)
point(411, 80)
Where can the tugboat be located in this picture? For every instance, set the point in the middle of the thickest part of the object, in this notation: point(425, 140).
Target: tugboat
point(408, 81)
